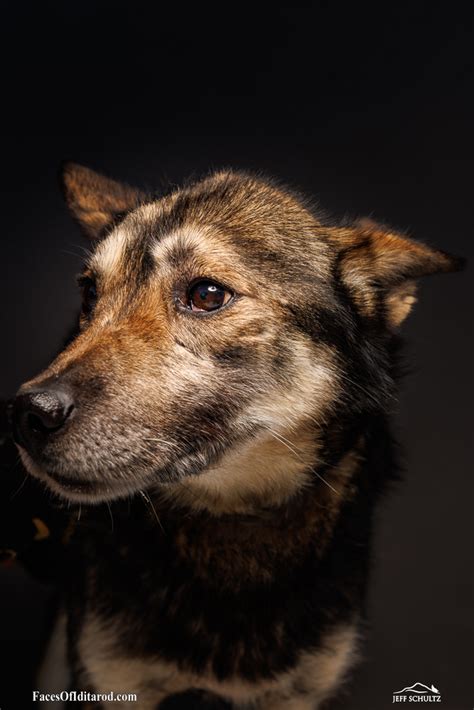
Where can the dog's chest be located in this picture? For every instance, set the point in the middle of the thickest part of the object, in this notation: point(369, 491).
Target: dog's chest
point(106, 667)
point(161, 604)
point(180, 618)
point(152, 615)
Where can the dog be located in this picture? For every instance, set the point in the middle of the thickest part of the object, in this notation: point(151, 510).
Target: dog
point(227, 394)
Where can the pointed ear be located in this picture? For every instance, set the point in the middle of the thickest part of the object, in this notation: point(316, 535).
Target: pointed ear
point(379, 267)
point(96, 201)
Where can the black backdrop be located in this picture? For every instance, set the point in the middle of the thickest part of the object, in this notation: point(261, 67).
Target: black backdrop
point(369, 110)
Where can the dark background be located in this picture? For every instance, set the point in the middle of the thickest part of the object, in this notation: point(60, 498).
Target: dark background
point(372, 112)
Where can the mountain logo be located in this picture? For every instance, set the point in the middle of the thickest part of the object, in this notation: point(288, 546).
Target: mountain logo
point(417, 693)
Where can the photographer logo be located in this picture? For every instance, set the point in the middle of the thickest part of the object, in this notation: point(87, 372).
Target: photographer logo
point(417, 693)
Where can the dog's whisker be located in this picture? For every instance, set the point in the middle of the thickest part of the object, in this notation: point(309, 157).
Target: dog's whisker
point(289, 446)
point(111, 516)
point(71, 253)
point(20, 488)
point(86, 253)
point(148, 500)
point(363, 389)
point(321, 478)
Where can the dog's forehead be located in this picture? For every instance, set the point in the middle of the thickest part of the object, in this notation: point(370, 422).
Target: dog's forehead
point(225, 218)
point(140, 245)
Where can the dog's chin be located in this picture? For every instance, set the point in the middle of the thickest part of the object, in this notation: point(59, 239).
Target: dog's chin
point(74, 489)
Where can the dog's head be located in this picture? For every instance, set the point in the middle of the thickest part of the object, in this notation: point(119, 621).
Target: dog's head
point(223, 327)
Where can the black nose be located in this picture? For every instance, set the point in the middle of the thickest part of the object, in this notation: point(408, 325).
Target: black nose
point(38, 413)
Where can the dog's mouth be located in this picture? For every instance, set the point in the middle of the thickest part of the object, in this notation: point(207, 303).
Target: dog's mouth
point(78, 485)
point(70, 487)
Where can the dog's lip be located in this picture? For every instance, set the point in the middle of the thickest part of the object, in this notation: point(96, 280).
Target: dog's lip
point(73, 483)
point(70, 487)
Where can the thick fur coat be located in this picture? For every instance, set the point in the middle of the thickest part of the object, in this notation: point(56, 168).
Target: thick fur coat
point(227, 394)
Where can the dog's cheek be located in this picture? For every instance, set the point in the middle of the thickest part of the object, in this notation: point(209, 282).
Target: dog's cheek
point(196, 406)
point(145, 409)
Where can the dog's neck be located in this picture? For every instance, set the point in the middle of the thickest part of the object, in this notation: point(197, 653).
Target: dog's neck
point(274, 528)
point(263, 473)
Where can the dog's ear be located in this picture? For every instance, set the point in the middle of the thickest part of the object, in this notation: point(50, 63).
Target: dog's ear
point(380, 266)
point(96, 201)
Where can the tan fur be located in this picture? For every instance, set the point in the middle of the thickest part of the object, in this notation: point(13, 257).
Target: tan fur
point(95, 199)
point(400, 301)
point(374, 255)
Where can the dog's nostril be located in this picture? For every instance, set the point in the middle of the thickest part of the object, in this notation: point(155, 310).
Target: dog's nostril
point(34, 423)
point(48, 413)
point(37, 414)
point(43, 424)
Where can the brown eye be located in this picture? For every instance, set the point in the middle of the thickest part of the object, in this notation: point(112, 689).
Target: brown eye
point(89, 295)
point(207, 295)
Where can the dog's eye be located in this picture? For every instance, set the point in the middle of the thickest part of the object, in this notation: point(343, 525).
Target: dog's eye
point(89, 295)
point(207, 295)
